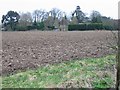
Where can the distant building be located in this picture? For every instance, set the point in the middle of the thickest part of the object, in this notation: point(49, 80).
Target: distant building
point(63, 24)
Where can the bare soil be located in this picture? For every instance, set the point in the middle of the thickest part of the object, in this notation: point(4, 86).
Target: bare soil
point(32, 49)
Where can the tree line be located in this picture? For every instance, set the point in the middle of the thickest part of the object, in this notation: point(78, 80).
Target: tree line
point(54, 19)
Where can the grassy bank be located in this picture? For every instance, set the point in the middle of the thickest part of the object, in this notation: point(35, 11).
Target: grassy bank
point(90, 72)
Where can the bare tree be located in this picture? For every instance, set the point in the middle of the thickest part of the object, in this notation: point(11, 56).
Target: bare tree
point(63, 19)
point(45, 16)
point(38, 15)
point(47, 19)
point(25, 19)
point(56, 15)
point(95, 17)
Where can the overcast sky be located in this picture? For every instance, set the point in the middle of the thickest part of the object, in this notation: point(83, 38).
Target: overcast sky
point(105, 7)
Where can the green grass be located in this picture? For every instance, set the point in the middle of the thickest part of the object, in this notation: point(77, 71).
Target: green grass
point(83, 73)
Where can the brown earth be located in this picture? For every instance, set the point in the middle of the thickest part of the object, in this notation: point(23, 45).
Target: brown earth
point(31, 49)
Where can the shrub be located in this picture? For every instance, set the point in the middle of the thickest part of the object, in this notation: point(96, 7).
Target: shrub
point(21, 28)
point(107, 27)
point(83, 27)
point(40, 26)
point(30, 27)
point(51, 27)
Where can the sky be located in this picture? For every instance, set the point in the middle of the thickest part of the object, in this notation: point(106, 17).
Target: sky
point(107, 8)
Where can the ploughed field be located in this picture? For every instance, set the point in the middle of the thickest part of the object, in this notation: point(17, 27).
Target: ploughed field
point(32, 49)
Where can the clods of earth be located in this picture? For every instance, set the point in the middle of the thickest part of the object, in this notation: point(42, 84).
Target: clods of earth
point(32, 49)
